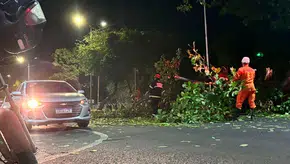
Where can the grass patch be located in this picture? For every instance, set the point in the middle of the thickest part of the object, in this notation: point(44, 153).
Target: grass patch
point(286, 116)
point(138, 121)
point(99, 118)
point(129, 121)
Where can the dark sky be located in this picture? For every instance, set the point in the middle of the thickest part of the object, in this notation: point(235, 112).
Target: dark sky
point(153, 15)
point(146, 15)
point(227, 35)
point(158, 15)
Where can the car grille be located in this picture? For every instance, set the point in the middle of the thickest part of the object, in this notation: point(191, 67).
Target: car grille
point(50, 108)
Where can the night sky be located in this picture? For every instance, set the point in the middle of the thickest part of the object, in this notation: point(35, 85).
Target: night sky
point(227, 35)
point(146, 15)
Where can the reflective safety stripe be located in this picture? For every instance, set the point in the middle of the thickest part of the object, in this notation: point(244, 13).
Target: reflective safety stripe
point(151, 96)
point(159, 85)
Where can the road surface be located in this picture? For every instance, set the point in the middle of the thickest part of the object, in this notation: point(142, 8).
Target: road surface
point(260, 142)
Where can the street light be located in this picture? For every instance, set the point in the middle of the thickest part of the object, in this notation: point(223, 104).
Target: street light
point(9, 76)
point(104, 24)
point(79, 20)
point(20, 59)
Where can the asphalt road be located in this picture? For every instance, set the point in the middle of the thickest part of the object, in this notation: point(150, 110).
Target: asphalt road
point(262, 141)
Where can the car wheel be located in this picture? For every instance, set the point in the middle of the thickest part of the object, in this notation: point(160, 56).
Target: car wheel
point(29, 127)
point(83, 124)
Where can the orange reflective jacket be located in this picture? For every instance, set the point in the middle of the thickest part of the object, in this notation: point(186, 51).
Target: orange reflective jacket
point(247, 75)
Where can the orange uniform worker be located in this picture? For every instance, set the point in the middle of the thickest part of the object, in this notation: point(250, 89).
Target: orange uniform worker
point(247, 75)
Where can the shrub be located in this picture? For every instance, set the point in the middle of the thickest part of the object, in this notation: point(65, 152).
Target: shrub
point(268, 99)
point(283, 108)
point(200, 102)
point(168, 68)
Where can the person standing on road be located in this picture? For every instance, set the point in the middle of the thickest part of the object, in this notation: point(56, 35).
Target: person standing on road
point(155, 93)
point(247, 75)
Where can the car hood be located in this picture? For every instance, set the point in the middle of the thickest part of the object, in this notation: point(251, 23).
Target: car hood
point(58, 97)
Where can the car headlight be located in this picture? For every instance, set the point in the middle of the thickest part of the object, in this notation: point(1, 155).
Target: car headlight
point(84, 102)
point(32, 104)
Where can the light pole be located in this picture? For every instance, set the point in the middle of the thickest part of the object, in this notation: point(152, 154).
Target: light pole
point(205, 33)
point(21, 60)
point(103, 25)
point(28, 70)
point(79, 20)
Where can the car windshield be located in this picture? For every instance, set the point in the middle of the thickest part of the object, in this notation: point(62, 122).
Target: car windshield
point(49, 87)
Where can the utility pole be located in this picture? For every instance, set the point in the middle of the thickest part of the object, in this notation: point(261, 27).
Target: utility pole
point(91, 77)
point(28, 70)
point(205, 32)
point(98, 93)
point(91, 90)
point(98, 98)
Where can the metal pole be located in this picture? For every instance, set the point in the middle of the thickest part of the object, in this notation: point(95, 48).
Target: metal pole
point(91, 90)
point(205, 32)
point(98, 96)
point(91, 77)
point(28, 71)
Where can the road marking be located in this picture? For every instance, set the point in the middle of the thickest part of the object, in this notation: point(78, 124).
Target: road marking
point(97, 142)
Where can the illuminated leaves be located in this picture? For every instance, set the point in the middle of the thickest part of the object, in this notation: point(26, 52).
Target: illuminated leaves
point(233, 71)
point(269, 73)
point(168, 68)
point(216, 70)
point(70, 63)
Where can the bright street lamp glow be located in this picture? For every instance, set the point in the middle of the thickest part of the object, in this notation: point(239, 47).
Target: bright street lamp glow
point(20, 59)
point(103, 23)
point(79, 20)
point(8, 76)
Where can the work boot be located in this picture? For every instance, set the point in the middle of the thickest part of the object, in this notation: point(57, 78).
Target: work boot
point(252, 114)
point(235, 114)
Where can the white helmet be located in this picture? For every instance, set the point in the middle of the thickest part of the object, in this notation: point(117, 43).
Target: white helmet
point(246, 60)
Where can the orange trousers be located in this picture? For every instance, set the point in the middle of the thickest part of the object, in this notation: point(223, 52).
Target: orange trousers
point(243, 95)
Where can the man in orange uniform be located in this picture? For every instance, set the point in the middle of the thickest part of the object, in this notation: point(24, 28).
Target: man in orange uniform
point(247, 75)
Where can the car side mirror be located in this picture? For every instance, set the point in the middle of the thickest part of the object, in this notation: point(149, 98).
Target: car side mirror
point(81, 91)
point(16, 93)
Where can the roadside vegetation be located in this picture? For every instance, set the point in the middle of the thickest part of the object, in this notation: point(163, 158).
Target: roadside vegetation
point(121, 58)
point(193, 103)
